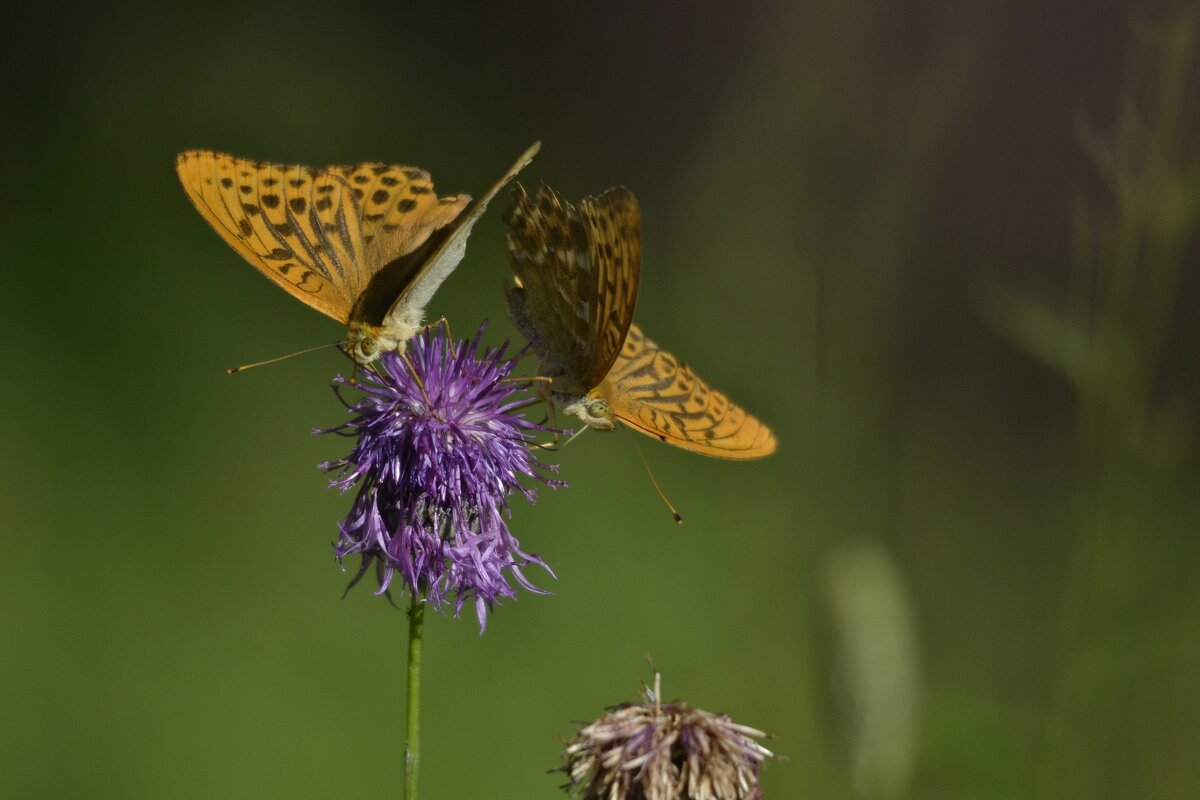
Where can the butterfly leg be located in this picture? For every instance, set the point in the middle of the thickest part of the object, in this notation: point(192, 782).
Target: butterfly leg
point(544, 392)
point(416, 377)
point(441, 321)
point(555, 445)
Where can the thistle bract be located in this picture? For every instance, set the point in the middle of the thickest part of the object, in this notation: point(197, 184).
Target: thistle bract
point(439, 450)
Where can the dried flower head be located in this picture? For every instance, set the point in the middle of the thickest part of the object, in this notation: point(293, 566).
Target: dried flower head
point(439, 450)
point(664, 751)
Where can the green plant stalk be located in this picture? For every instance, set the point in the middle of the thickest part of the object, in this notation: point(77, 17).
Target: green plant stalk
point(412, 728)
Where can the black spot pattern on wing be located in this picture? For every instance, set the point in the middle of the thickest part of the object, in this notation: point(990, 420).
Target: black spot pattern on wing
point(653, 392)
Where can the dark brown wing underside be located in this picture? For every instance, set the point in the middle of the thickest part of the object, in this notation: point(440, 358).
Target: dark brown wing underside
point(577, 272)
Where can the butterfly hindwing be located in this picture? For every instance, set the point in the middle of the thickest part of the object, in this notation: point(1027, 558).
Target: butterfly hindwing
point(544, 241)
point(577, 273)
point(653, 392)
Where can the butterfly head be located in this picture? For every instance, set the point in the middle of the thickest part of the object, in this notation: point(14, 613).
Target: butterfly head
point(594, 411)
point(367, 342)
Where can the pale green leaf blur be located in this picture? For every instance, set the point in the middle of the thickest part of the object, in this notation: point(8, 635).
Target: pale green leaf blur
point(947, 251)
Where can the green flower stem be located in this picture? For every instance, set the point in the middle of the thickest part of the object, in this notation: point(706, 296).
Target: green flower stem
point(412, 733)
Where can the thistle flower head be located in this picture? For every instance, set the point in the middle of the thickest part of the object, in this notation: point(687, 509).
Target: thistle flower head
point(664, 751)
point(439, 450)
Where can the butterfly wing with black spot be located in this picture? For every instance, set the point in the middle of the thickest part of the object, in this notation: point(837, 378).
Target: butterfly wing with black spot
point(577, 277)
point(298, 226)
point(320, 234)
point(653, 392)
point(399, 212)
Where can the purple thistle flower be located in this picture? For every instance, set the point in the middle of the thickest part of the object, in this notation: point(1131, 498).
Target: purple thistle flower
point(438, 454)
point(664, 751)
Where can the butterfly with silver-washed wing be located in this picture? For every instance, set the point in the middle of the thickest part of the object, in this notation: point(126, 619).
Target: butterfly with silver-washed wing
point(577, 272)
point(367, 245)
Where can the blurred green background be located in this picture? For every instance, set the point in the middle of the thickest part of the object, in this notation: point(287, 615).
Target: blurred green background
point(947, 251)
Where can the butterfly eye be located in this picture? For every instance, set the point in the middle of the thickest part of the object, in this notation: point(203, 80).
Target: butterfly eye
point(367, 346)
point(597, 409)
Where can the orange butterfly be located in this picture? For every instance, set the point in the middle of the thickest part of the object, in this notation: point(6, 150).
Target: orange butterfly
point(577, 273)
point(367, 245)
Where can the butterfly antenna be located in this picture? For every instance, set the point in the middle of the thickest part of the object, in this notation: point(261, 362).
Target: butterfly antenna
point(244, 367)
point(657, 488)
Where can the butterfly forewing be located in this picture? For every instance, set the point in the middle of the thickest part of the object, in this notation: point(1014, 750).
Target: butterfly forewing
point(652, 392)
point(315, 254)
